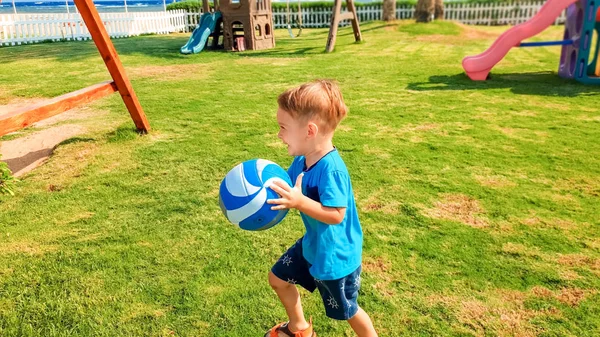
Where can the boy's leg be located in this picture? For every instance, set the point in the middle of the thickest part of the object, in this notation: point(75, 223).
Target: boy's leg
point(362, 325)
point(339, 298)
point(288, 272)
point(290, 298)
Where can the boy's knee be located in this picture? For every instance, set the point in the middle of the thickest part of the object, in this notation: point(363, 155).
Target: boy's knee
point(276, 282)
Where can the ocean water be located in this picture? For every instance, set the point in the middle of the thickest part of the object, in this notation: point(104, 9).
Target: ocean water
point(113, 6)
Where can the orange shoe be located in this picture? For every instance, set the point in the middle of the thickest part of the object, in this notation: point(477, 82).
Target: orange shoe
point(283, 328)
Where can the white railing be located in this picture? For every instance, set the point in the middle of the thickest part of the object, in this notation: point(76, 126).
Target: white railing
point(496, 13)
point(474, 14)
point(33, 28)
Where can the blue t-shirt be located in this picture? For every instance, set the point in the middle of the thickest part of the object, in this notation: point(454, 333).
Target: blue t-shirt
point(334, 251)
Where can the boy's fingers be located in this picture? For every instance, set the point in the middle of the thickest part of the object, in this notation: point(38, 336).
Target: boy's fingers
point(279, 190)
point(299, 180)
point(275, 201)
point(277, 208)
point(281, 185)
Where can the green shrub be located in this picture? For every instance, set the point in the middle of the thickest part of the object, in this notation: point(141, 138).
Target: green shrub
point(7, 181)
point(189, 5)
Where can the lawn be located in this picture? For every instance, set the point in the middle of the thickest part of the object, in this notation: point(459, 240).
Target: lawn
point(479, 201)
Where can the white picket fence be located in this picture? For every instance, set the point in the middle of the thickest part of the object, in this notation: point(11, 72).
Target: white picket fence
point(32, 28)
point(473, 14)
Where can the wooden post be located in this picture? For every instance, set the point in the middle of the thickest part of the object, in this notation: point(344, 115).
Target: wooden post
point(336, 17)
point(90, 16)
point(333, 28)
point(354, 20)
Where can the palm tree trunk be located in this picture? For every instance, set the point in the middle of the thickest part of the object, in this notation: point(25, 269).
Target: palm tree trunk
point(425, 10)
point(389, 10)
point(439, 10)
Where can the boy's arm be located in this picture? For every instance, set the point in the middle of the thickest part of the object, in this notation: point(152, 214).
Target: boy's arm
point(292, 197)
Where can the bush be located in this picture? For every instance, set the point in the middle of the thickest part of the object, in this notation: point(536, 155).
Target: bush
point(189, 5)
point(7, 181)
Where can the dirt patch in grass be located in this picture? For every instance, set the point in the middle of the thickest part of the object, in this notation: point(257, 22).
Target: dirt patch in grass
point(380, 270)
point(519, 249)
point(588, 118)
point(25, 247)
point(460, 208)
point(579, 260)
point(376, 151)
point(467, 34)
point(569, 275)
point(494, 181)
point(376, 203)
point(272, 61)
point(170, 73)
point(24, 151)
point(501, 316)
point(584, 185)
point(571, 296)
point(24, 154)
point(524, 134)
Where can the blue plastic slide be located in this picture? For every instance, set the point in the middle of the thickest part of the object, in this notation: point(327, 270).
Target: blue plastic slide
point(197, 41)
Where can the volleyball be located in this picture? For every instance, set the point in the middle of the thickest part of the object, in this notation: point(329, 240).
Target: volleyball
point(244, 192)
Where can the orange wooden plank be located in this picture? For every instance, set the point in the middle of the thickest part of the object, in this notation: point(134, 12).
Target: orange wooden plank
point(107, 50)
point(25, 116)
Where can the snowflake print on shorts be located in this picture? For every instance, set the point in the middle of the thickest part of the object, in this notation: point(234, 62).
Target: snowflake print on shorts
point(291, 280)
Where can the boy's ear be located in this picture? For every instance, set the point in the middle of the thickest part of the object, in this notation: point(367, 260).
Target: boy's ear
point(313, 129)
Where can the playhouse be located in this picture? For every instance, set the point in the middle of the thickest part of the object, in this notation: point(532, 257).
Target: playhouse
point(247, 24)
point(243, 24)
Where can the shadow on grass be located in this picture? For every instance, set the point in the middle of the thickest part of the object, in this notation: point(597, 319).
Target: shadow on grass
point(69, 51)
point(165, 47)
point(538, 83)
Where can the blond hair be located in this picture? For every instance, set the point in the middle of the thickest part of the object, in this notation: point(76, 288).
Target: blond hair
point(319, 99)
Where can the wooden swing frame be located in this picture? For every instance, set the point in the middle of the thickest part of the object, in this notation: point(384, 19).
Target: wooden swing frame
point(25, 116)
point(338, 16)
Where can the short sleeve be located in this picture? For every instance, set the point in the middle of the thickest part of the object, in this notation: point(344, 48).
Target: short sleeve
point(292, 170)
point(334, 188)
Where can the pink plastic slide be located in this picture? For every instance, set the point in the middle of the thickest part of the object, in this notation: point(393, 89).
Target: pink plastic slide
point(478, 67)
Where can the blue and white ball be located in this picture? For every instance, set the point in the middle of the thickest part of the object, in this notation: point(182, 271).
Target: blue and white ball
point(244, 193)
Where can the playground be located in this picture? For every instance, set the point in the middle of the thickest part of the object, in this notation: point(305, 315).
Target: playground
point(478, 199)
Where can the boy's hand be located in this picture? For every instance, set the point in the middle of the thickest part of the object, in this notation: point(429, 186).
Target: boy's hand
point(291, 197)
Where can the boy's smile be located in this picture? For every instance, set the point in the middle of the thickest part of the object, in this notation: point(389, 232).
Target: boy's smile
point(291, 132)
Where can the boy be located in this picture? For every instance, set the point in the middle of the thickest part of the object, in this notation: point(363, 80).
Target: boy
point(328, 256)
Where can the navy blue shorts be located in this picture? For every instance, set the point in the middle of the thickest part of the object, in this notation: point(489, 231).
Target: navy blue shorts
point(339, 296)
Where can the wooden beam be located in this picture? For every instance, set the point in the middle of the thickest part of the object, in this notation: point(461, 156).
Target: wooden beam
point(333, 27)
point(346, 16)
point(336, 17)
point(94, 24)
point(25, 116)
point(355, 26)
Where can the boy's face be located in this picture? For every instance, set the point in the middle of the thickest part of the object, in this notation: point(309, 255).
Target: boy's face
point(292, 132)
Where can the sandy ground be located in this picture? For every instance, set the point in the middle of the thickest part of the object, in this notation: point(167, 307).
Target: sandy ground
point(23, 154)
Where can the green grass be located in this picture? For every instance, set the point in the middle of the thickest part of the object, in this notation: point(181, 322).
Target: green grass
point(479, 201)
